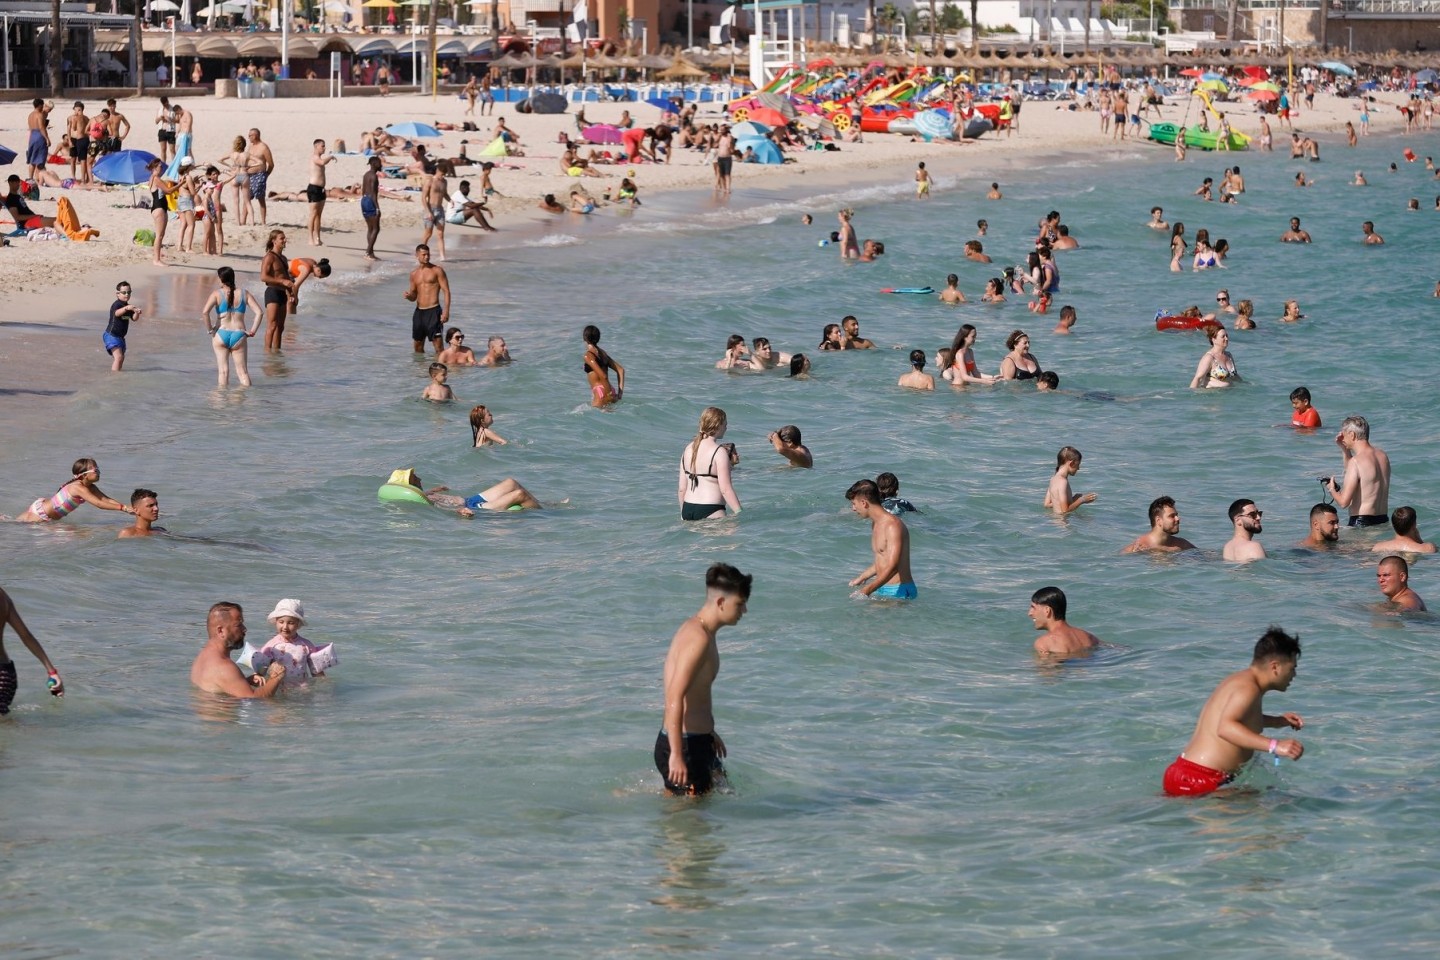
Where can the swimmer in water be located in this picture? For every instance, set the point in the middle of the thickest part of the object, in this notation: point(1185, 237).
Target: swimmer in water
point(888, 577)
point(456, 354)
point(995, 291)
point(1393, 576)
point(1359, 180)
point(1324, 528)
point(145, 505)
point(481, 420)
point(1164, 527)
point(917, 378)
point(787, 443)
point(830, 338)
point(1304, 416)
point(504, 495)
point(1157, 219)
point(1229, 731)
point(1407, 534)
point(1019, 363)
point(951, 294)
point(1059, 639)
point(1371, 237)
point(80, 488)
point(438, 391)
point(1216, 368)
point(598, 365)
point(1246, 519)
point(963, 368)
point(1058, 496)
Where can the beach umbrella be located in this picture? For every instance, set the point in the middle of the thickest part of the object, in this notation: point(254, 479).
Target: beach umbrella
point(1256, 71)
point(778, 102)
point(765, 151)
point(379, 3)
point(164, 6)
point(412, 130)
point(603, 133)
point(749, 128)
point(768, 116)
point(1217, 85)
point(126, 167)
point(822, 126)
point(1425, 76)
point(934, 125)
point(1192, 72)
point(6, 155)
point(1212, 75)
point(1263, 95)
point(1335, 66)
point(1265, 86)
point(667, 106)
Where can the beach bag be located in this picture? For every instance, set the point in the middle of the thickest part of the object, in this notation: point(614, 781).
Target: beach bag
point(145, 238)
point(30, 189)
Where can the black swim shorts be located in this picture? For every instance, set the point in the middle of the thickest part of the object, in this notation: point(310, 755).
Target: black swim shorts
point(700, 759)
point(275, 295)
point(315, 194)
point(723, 164)
point(79, 148)
point(425, 324)
point(165, 136)
point(1368, 520)
point(8, 683)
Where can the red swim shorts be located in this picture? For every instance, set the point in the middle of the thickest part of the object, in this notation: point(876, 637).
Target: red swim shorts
point(1184, 778)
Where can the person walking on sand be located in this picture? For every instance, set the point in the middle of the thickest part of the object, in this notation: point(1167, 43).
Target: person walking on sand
point(688, 751)
point(315, 190)
point(428, 284)
point(1229, 731)
point(370, 206)
point(9, 682)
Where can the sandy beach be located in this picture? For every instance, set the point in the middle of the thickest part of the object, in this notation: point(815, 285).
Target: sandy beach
point(56, 292)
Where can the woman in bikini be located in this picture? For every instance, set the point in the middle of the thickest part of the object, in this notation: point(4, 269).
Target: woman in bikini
point(1019, 363)
point(705, 488)
point(239, 163)
point(228, 331)
point(1177, 246)
point(185, 207)
point(1217, 367)
point(80, 488)
point(830, 338)
point(598, 363)
point(963, 370)
point(456, 354)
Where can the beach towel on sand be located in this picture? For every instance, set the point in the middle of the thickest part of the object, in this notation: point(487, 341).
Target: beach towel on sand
point(69, 223)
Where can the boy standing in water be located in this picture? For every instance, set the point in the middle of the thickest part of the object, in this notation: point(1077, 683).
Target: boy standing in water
point(688, 751)
point(922, 182)
point(1058, 496)
point(1228, 732)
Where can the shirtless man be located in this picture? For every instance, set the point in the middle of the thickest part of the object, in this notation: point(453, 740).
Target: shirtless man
point(1368, 229)
point(315, 191)
point(994, 193)
point(1228, 732)
point(260, 162)
point(165, 129)
point(117, 127)
point(1058, 496)
point(1242, 548)
point(428, 284)
point(10, 616)
point(76, 126)
point(764, 357)
point(889, 576)
point(1324, 528)
point(37, 150)
point(850, 338)
point(688, 751)
point(145, 504)
point(433, 198)
point(1164, 525)
point(1157, 219)
point(496, 353)
point(1294, 234)
point(1393, 576)
point(370, 205)
point(1365, 488)
point(725, 162)
point(1059, 639)
point(975, 251)
point(1407, 535)
point(215, 672)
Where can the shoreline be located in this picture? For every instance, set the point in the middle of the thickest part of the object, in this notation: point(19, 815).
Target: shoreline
point(60, 306)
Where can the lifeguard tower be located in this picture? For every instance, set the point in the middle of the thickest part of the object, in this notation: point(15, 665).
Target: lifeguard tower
point(770, 49)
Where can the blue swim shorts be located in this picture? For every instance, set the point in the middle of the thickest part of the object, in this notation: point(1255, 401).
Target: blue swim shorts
point(475, 502)
point(368, 208)
point(113, 343)
point(896, 591)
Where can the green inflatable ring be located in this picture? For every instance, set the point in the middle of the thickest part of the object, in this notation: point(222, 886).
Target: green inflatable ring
point(401, 493)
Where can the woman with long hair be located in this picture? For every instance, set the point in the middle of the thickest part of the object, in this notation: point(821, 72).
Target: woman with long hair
point(160, 190)
point(1217, 367)
point(1019, 363)
point(963, 369)
point(598, 365)
point(481, 420)
point(705, 488)
point(228, 331)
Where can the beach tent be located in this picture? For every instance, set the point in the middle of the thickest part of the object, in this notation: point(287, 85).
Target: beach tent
point(547, 103)
point(765, 151)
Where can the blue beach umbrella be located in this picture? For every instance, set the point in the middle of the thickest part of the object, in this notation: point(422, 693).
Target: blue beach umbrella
point(934, 125)
point(749, 128)
point(663, 104)
point(1370, 85)
point(765, 151)
point(412, 130)
point(1335, 66)
point(1212, 76)
point(1426, 76)
point(125, 167)
point(6, 155)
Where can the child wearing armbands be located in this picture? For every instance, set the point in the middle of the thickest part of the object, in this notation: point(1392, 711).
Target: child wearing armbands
point(301, 658)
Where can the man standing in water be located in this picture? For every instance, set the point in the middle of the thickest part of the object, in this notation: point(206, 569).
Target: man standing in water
point(1228, 733)
point(1324, 528)
point(1242, 548)
point(370, 205)
point(1164, 525)
point(688, 751)
point(889, 576)
point(215, 672)
point(1365, 488)
point(427, 283)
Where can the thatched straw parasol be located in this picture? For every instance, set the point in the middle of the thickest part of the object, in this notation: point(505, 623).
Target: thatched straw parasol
point(682, 70)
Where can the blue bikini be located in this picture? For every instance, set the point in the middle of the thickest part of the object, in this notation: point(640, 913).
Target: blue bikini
point(231, 338)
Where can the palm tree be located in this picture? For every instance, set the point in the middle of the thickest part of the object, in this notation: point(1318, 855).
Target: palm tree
point(1089, 12)
point(870, 21)
point(974, 27)
point(57, 48)
point(138, 52)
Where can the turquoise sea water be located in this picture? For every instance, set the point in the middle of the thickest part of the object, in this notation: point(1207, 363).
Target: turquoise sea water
point(475, 778)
